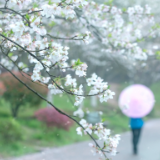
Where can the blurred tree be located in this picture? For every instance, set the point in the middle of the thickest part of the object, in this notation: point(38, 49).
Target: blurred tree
point(18, 95)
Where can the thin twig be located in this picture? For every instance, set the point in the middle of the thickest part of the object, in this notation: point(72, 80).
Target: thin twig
point(65, 38)
point(5, 6)
point(59, 87)
point(16, 13)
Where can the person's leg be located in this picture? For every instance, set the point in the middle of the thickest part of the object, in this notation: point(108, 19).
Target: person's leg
point(137, 136)
point(134, 141)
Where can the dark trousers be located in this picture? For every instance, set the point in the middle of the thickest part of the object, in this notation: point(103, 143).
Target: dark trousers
point(136, 134)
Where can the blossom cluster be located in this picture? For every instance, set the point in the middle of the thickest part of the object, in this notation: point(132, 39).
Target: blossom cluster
point(66, 10)
point(100, 87)
point(103, 134)
point(118, 35)
point(20, 3)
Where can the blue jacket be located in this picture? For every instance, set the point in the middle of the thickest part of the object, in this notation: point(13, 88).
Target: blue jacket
point(136, 123)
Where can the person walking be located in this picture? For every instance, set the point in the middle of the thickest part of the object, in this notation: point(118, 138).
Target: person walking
point(136, 125)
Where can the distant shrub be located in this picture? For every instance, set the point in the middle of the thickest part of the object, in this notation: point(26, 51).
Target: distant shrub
point(17, 94)
point(53, 118)
point(2, 88)
point(10, 130)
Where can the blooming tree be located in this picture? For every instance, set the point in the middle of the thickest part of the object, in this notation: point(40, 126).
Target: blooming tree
point(27, 30)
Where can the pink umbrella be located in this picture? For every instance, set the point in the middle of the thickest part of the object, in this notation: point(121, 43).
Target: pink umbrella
point(136, 101)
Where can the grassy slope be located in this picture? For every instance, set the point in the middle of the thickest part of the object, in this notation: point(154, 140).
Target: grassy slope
point(36, 135)
point(156, 90)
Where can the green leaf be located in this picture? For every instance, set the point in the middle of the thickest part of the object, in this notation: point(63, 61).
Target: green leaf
point(156, 26)
point(144, 50)
point(158, 54)
point(77, 63)
point(81, 7)
point(35, 5)
point(27, 16)
point(62, 14)
point(10, 54)
point(103, 120)
point(25, 66)
point(104, 144)
point(50, 44)
point(109, 35)
point(4, 33)
point(140, 40)
point(11, 32)
point(50, 2)
point(52, 24)
point(109, 2)
point(33, 19)
point(124, 9)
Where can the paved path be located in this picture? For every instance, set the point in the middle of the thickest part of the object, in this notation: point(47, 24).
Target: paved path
point(149, 148)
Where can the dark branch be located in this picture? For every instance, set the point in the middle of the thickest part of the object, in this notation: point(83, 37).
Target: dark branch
point(16, 13)
point(40, 96)
point(62, 89)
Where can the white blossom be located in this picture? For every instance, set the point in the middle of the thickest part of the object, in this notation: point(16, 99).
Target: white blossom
point(79, 113)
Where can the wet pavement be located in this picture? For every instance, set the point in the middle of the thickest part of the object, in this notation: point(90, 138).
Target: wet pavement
point(149, 148)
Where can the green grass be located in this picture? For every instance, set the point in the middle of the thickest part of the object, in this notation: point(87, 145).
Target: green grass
point(16, 149)
point(156, 90)
point(36, 135)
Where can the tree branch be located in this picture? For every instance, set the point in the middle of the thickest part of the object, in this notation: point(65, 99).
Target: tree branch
point(40, 96)
point(62, 89)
